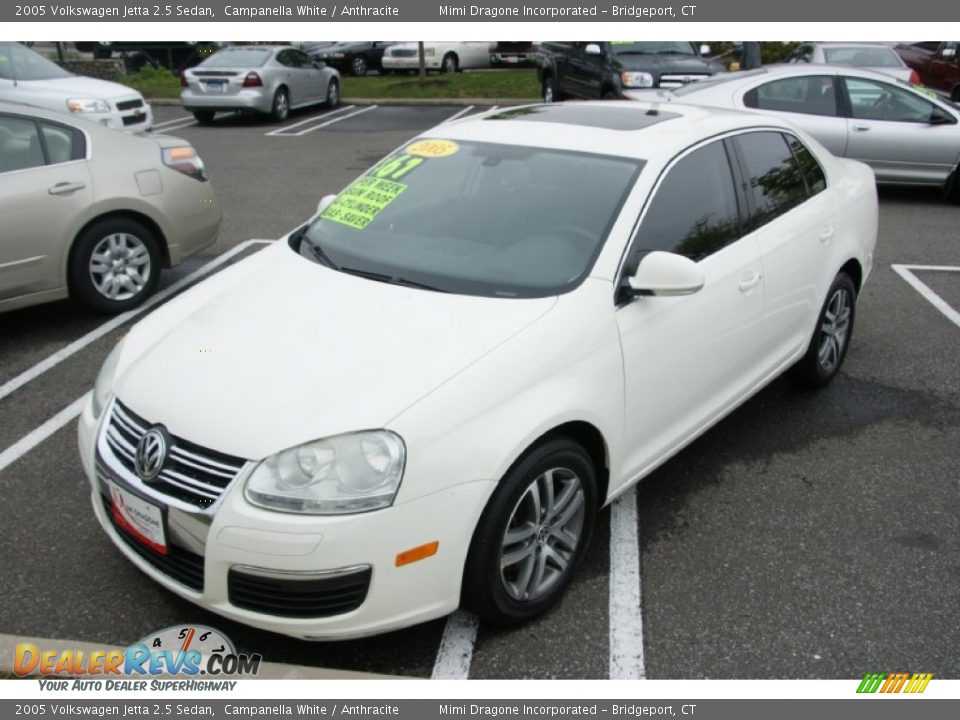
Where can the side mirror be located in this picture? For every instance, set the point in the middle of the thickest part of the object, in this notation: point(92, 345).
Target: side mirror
point(325, 202)
point(665, 274)
point(592, 49)
point(704, 50)
point(948, 53)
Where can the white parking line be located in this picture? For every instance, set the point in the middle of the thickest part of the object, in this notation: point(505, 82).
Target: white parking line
point(456, 647)
point(626, 613)
point(312, 118)
point(36, 436)
point(331, 122)
point(182, 124)
point(187, 119)
point(453, 117)
point(80, 343)
point(906, 272)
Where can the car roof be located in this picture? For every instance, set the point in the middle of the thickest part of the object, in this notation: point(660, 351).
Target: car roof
point(631, 129)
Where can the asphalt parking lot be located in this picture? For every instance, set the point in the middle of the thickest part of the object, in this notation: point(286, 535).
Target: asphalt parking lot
point(809, 535)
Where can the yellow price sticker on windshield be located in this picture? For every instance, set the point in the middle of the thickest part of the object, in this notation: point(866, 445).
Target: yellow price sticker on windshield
point(432, 148)
point(359, 204)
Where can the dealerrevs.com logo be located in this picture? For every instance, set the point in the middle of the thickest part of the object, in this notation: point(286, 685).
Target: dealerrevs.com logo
point(184, 652)
point(911, 683)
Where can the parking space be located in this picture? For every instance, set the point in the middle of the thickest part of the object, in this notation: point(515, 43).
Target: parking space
point(807, 535)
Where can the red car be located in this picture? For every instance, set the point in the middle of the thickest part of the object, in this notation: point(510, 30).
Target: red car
point(937, 64)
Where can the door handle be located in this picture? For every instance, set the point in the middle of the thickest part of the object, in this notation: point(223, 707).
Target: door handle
point(861, 128)
point(826, 235)
point(65, 188)
point(749, 282)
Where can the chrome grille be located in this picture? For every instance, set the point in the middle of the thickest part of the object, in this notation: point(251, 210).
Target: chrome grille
point(129, 104)
point(680, 79)
point(192, 474)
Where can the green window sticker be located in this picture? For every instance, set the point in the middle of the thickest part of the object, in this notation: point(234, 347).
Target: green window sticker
point(361, 202)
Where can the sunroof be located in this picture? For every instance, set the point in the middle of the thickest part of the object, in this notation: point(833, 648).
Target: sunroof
point(596, 116)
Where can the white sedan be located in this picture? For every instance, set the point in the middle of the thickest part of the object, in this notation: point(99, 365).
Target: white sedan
point(29, 78)
point(422, 397)
point(447, 57)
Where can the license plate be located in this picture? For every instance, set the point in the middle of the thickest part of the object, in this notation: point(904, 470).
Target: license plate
point(141, 519)
point(216, 86)
point(512, 60)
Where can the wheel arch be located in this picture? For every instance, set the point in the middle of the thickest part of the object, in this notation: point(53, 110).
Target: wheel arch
point(853, 268)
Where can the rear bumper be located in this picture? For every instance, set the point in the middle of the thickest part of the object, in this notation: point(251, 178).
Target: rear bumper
point(252, 100)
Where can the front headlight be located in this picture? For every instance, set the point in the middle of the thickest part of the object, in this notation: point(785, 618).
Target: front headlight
point(343, 474)
point(87, 105)
point(636, 79)
point(103, 388)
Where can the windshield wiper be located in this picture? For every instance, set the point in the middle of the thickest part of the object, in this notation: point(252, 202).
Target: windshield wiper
point(317, 251)
point(390, 279)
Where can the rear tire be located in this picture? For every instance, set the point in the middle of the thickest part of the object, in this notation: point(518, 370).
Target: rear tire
point(831, 336)
point(951, 191)
point(204, 117)
point(280, 108)
point(551, 91)
point(532, 535)
point(115, 265)
point(358, 66)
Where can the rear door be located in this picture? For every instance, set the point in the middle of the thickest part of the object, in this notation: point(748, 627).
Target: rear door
point(792, 221)
point(812, 102)
point(890, 130)
point(44, 187)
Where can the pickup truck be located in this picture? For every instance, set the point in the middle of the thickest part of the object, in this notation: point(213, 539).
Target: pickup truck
point(592, 70)
point(937, 64)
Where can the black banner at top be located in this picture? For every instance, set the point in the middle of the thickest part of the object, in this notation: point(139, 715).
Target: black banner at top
point(482, 11)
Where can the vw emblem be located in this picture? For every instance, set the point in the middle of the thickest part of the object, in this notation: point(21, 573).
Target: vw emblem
point(151, 453)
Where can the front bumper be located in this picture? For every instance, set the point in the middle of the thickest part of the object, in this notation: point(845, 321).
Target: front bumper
point(138, 120)
point(236, 536)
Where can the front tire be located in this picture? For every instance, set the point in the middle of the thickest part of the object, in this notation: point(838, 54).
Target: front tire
point(831, 336)
point(280, 108)
point(551, 92)
point(532, 535)
point(450, 63)
point(115, 265)
point(333, 94)
point(951, 191)
point(358, 66)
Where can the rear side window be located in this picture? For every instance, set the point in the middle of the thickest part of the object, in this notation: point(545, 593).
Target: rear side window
point(694, 211)
point(812, 172)
point(775, 183)
point(807, 95)
point(63, 144)
point(20, 146)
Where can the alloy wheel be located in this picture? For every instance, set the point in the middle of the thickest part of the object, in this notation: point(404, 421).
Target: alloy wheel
point(834, 330)
point(542, 535)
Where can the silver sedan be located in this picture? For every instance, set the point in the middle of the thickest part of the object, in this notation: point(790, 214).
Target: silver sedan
point(258, 78)
point(870, 56)
point(94, 213)
point(905, 135)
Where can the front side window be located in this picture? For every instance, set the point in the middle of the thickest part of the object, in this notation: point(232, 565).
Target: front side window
point(775, 181)
point(807, 95)
point(870, 100)
point(475, 218)
point(20, 146)
point(694, 211)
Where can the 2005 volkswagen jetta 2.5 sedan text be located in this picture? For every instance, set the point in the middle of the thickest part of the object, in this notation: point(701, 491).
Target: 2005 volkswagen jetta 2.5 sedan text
point(422, 397)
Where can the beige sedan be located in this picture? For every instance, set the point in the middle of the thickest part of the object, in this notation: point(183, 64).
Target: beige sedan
point(93, 213)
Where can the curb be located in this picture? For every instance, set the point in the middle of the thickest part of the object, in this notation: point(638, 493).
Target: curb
point(268, 670)
point(476, 102)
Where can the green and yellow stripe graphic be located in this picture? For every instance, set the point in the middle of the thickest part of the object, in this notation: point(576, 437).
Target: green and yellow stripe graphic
point(894, 682)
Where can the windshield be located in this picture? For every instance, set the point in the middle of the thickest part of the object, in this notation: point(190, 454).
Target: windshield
point(21, 63)
point(475, 218)
point(862, 57)
point(237, 59)
point(625, 47)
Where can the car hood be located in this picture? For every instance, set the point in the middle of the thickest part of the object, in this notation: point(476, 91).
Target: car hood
point(667, 63)
point(79, 86)
point(278, 350)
